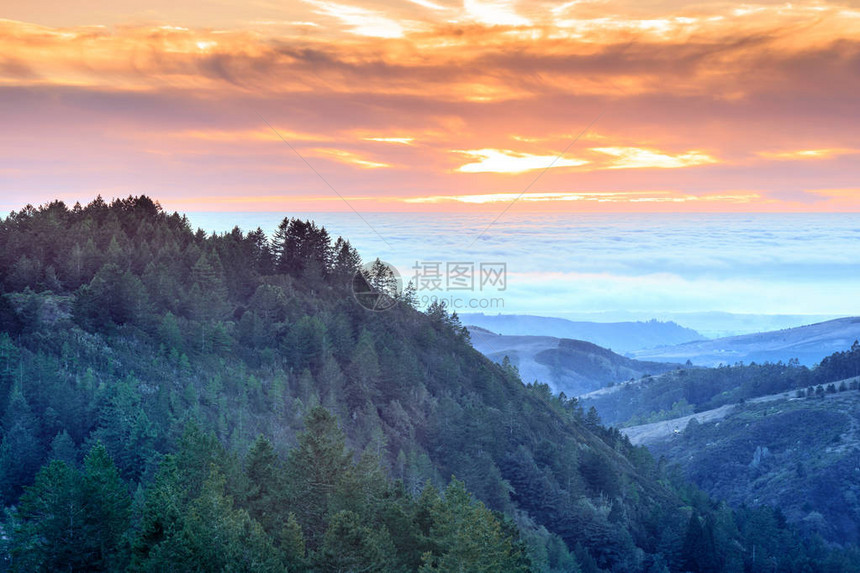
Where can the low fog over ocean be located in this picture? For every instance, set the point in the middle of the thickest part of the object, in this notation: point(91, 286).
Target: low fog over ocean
point(720, 274)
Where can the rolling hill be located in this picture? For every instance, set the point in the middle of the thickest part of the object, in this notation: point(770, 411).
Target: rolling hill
point(571, 366)
point(799, 454)
point(809, 344)
point(621, 337)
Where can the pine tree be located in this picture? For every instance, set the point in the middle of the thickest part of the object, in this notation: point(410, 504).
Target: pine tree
point(74, 520)
point(261, 252)
point(293, 547)
point(208, 289)
point(63, 449)
point(364, 372)
point(331, 382)
point(300, 245)
point(469, 537)
point(157, 542)
point(410, 295)
point(382, 279)
point(263, 495)
point(346, 262)
point(315, 467)
point(349, 545)
point(51, 534)
point(221, 538)
point(125, 428)
point(699, 554)
point(169, 333)
point(107, 505)
point(20, 450)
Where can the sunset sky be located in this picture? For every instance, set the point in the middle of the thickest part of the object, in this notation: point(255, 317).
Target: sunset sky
point(419, 105)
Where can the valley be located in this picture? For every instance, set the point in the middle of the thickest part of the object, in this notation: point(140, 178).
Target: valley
point(571, 366)
point(779, 434)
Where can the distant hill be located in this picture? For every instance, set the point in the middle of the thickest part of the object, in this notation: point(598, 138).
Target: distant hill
point(618, 336)
point(782, 435)
point(695, 389)
point(809, 344)
point(570, 366)
point(799, 454)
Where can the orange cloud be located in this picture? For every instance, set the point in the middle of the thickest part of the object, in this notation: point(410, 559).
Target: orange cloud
point(400, 140)
point(807, 153)
point(846, 199)
point(495, 13)
point(360, 21)
point(348, 157)
point(506, 161)
point(637, 158)
point(245, 135)
point(622, 197)
point(387, 90)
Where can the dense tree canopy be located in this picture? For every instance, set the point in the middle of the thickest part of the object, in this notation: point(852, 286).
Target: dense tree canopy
point(162, 388)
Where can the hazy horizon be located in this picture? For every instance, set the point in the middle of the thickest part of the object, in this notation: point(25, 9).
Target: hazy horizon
point(763, 271)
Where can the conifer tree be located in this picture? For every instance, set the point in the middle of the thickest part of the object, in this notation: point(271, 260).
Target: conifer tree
point(292, 546)
point(349, 545)
point(263, 496)
point(468, 537)
point(315, 467)
point(20, 450)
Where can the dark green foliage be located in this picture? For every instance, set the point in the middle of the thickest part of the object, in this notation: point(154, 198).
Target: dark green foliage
point(302, 249)
point(699, 554)
point(183, 515)
point(113, 298)
point(263, 495)
point(74, 520)
point(125, 428)
point(176, 350)
point(63, 449)
point(292, 546)
point(205, 534)
point(21, 451)
point(316, 468)
point(349, 545)
point(792, 454)
point(466, 537)
point(218, 537)
point(52, 527)
point(691, 390)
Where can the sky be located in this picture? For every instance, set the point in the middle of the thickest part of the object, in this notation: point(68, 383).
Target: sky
point(433, 105)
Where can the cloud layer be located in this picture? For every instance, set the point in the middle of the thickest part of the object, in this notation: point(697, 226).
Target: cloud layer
point(435, 104)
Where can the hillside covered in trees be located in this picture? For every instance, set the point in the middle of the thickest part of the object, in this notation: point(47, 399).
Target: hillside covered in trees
point(172, 399)
point(688, 390)
point(781, 434)
point(799, 454)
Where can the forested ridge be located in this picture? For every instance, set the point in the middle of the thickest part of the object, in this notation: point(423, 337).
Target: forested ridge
point(174, 400)
point(784, 434)
point(691, 389)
